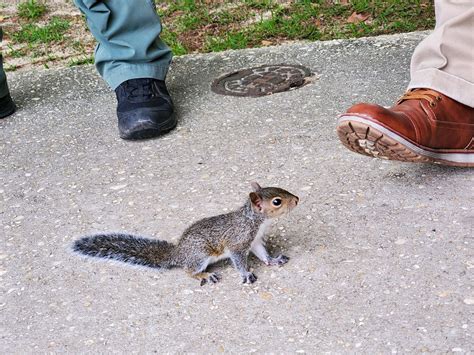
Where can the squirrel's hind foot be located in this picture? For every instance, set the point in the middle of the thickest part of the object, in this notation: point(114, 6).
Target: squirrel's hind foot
point(209, 277)
point(212, 277)
point(206, 277)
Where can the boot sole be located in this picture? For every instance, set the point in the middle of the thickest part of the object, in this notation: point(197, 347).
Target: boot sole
point(369, 138)
point(150, 131)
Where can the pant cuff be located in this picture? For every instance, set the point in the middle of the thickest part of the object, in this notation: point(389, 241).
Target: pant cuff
point(116, 76)
point(452, 86)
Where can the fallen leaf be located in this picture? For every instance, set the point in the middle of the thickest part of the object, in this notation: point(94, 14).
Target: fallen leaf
point(357, 18)
point(266, 43)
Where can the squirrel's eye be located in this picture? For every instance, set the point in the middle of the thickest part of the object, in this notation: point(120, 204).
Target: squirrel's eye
point(276, 201)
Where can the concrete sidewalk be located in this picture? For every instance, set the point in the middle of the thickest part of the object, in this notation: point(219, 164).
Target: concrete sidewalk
point(381, 252)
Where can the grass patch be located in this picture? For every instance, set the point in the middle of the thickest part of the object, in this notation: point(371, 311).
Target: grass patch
point(208, 26)
point(196, 26)
point(31, 9)
point(81, 61)
point(10, 68)
point(171, 39)
point(296, 22)
point(52, 32)
point(15, 53)
point(237, 40)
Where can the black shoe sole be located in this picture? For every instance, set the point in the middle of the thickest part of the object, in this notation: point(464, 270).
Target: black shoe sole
point(147, 130)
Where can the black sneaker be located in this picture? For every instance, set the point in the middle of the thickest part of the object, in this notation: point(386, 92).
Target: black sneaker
point(7, 106)
point(144, 109)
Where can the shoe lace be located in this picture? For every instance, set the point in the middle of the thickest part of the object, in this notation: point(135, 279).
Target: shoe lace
point(142, 89)
point(421, 94)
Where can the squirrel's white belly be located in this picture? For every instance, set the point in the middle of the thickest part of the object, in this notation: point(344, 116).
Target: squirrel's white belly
point(215, 259)
point(258, 240)
point(260, 237)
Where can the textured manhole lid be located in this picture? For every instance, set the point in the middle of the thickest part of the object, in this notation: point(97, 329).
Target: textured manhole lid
point(261, 81)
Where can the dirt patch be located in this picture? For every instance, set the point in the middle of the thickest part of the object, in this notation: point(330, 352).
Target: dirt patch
point(76, 46)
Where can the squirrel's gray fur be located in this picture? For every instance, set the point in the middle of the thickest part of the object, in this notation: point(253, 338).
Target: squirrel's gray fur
point(208, 240)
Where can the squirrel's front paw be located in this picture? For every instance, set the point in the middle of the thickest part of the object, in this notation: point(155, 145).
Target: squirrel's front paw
point(249, 278)
point(279, 260)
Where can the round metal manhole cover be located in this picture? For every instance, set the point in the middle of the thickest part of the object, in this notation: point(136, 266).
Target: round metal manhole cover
point(261, 81)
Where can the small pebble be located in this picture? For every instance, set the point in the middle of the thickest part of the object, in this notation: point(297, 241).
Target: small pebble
point(118, 187)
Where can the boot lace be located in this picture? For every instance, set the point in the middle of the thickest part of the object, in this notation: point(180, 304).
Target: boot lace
point(421, 94)
point(138, 90)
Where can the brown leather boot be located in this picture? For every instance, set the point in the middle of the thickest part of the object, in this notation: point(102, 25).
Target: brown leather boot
point(423, 126)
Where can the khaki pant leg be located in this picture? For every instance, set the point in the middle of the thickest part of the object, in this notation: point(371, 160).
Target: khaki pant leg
point(444, 61)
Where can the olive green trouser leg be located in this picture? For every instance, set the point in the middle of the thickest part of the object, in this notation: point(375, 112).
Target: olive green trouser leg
point(128, 36)
point(3, 77)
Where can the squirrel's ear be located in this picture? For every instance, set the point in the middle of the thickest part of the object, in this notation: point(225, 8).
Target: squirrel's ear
point(255, 186)
point(256, 201)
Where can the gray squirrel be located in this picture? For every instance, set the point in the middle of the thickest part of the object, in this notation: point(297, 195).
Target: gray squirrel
point(232, 235)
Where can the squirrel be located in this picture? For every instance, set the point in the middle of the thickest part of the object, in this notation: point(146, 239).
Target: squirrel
point(232, 235)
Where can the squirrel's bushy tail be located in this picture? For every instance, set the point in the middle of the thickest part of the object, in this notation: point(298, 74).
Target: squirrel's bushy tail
point(127, 248)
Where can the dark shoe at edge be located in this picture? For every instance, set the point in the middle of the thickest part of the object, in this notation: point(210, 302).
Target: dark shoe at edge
point(423, 126)
point(7, 106)
point(144, 109)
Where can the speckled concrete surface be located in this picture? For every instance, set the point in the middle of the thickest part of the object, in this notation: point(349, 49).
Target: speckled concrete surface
point(381, 252)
